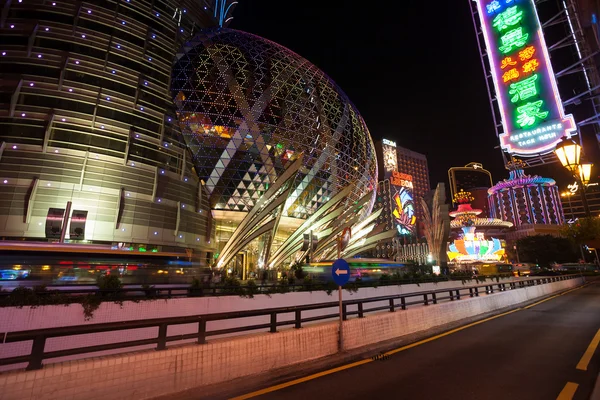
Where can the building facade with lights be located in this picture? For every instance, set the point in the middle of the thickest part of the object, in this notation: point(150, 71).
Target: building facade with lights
point(415, 165)
point(572, 204)
point(251, 109)
point(399, 197)
point(149, 126)
point(91, 149)
point(526, 201)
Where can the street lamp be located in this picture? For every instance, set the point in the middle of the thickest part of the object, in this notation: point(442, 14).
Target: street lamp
point(585, 172)
point(569, 155)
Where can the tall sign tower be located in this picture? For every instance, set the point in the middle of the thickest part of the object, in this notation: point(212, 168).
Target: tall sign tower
point(528, 111)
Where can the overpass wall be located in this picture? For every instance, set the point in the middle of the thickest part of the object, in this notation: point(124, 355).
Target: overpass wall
point(14, 319)
point(146, 374)
point(366, 331)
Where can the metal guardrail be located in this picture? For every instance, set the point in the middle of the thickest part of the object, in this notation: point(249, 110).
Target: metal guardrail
point(39, 337)
point(155, 292)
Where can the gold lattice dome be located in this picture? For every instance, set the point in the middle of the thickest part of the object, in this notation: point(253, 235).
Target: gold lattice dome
point(463, 197)
point(248, 107)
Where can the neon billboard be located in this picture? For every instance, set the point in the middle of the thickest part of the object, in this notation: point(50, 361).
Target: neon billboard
point(533, 117)
point(475, 249)
point(390, 157)
point(403, 207)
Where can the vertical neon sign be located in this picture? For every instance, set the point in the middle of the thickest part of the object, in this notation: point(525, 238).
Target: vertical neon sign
point(532, 113)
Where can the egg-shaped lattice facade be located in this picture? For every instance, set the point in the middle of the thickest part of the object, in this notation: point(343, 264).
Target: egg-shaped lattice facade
point(248, 107)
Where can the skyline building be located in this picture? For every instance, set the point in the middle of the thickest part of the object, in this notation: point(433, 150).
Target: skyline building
point(472, 178)
point(572, 204)
point(415, 164)
point(398, 200)
point(91, 149)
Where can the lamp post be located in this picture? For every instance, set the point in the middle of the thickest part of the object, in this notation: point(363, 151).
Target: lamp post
point(568, 195)
point(569, 155)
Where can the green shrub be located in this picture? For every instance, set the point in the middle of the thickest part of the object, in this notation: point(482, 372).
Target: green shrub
point(384, 279)
point(251, 289)
point(196, 288)
point(90, 304)
point(109, 282)
point(307, 283)
point(22, 296)
point(330, 286)
point(149, 291)
point(232, 285)
point(352, 287)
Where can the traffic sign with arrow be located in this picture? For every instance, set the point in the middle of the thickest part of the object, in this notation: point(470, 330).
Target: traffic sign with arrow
point(340, 272)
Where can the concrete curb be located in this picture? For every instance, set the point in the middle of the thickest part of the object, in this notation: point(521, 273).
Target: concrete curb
point(238, 386)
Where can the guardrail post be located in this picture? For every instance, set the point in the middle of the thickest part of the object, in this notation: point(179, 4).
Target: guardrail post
point(457, 294)
point(434, 297)
point(273, 322)
point(491, 288)
point(344, 312)
point(162, 337)
point(360, 310)
point(298, 324)
point(470, 292)
point(403, 303)
point(392, 309)
point(451, 295)
point(476, 291)
point(37, 353)
point(201, 331)
point(425, 299)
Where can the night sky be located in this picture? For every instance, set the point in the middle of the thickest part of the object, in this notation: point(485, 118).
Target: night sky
point(411, 67)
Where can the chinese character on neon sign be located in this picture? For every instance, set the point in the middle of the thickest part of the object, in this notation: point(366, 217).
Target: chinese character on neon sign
point(533, 117)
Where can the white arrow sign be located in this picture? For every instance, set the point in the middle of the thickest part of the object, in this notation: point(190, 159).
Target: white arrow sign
point(339, 272)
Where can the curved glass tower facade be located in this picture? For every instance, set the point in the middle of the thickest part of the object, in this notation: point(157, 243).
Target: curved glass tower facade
point(248, 107)
point(87, 126)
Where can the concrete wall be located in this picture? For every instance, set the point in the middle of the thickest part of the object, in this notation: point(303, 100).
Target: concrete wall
point(364, 331)
point(152, 373)
point(28, 318)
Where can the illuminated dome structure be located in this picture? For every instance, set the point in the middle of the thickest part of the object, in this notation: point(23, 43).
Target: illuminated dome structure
point(473, 246)
point(248, 107)
point(525, 199)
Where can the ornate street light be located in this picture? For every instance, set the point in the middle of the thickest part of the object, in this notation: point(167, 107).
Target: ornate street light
point(585, 173)
point(569, 154)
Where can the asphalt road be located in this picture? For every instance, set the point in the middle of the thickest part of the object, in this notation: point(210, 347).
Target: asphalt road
point(528, 354)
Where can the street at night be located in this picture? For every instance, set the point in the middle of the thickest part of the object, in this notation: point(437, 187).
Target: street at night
point(528, 354)
point(299, 199)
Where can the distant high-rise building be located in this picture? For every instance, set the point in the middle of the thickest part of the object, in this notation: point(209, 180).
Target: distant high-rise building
point(572, 204)
point(403, 182)
point(472, 178)
point(415, 164)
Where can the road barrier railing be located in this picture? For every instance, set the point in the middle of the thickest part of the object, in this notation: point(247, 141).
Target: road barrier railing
point(39, 337)
point(186, 290)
